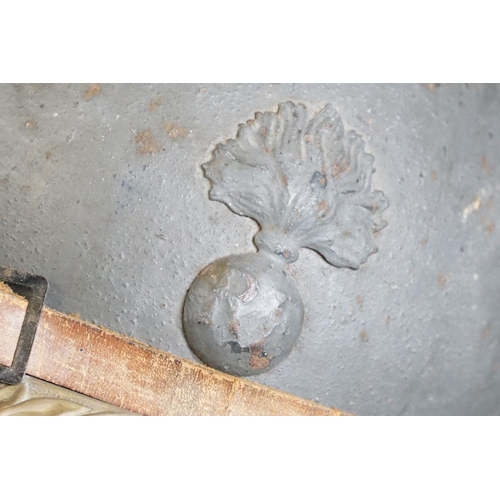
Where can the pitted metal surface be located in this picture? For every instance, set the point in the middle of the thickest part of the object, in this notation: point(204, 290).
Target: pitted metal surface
point(101, 192)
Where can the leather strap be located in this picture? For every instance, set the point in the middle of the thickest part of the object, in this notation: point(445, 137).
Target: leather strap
point(121, 371)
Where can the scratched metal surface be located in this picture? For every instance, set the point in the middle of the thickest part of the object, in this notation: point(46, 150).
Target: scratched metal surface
point(101, 192)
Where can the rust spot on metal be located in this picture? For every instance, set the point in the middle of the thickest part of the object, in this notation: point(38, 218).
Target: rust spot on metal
point(388, 320)
point(338, 170)
point(286, 253)
point(92, 90)
point(154, 103)
point(278, 312)
point(363, 336)
point(489, 227)
point(174, 131)
point(258, 359)
point(360, 301)
point(434, 176)
point(147, 144)
point(31, 124)
point(486, 333)
point(323, 206)
point(442, 280)
point(485, 165)
point(234, 327)
point(424, 241)
point(346, 232)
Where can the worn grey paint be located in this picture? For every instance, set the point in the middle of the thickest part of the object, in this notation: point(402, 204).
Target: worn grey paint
point(120, 235)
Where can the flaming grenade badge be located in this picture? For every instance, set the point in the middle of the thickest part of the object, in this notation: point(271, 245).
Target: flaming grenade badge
point(307, 183)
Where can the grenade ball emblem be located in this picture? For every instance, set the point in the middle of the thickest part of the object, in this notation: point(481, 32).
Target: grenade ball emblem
point(307, 183)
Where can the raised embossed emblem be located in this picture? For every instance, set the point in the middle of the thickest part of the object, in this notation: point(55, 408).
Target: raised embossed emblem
point(307, 183)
